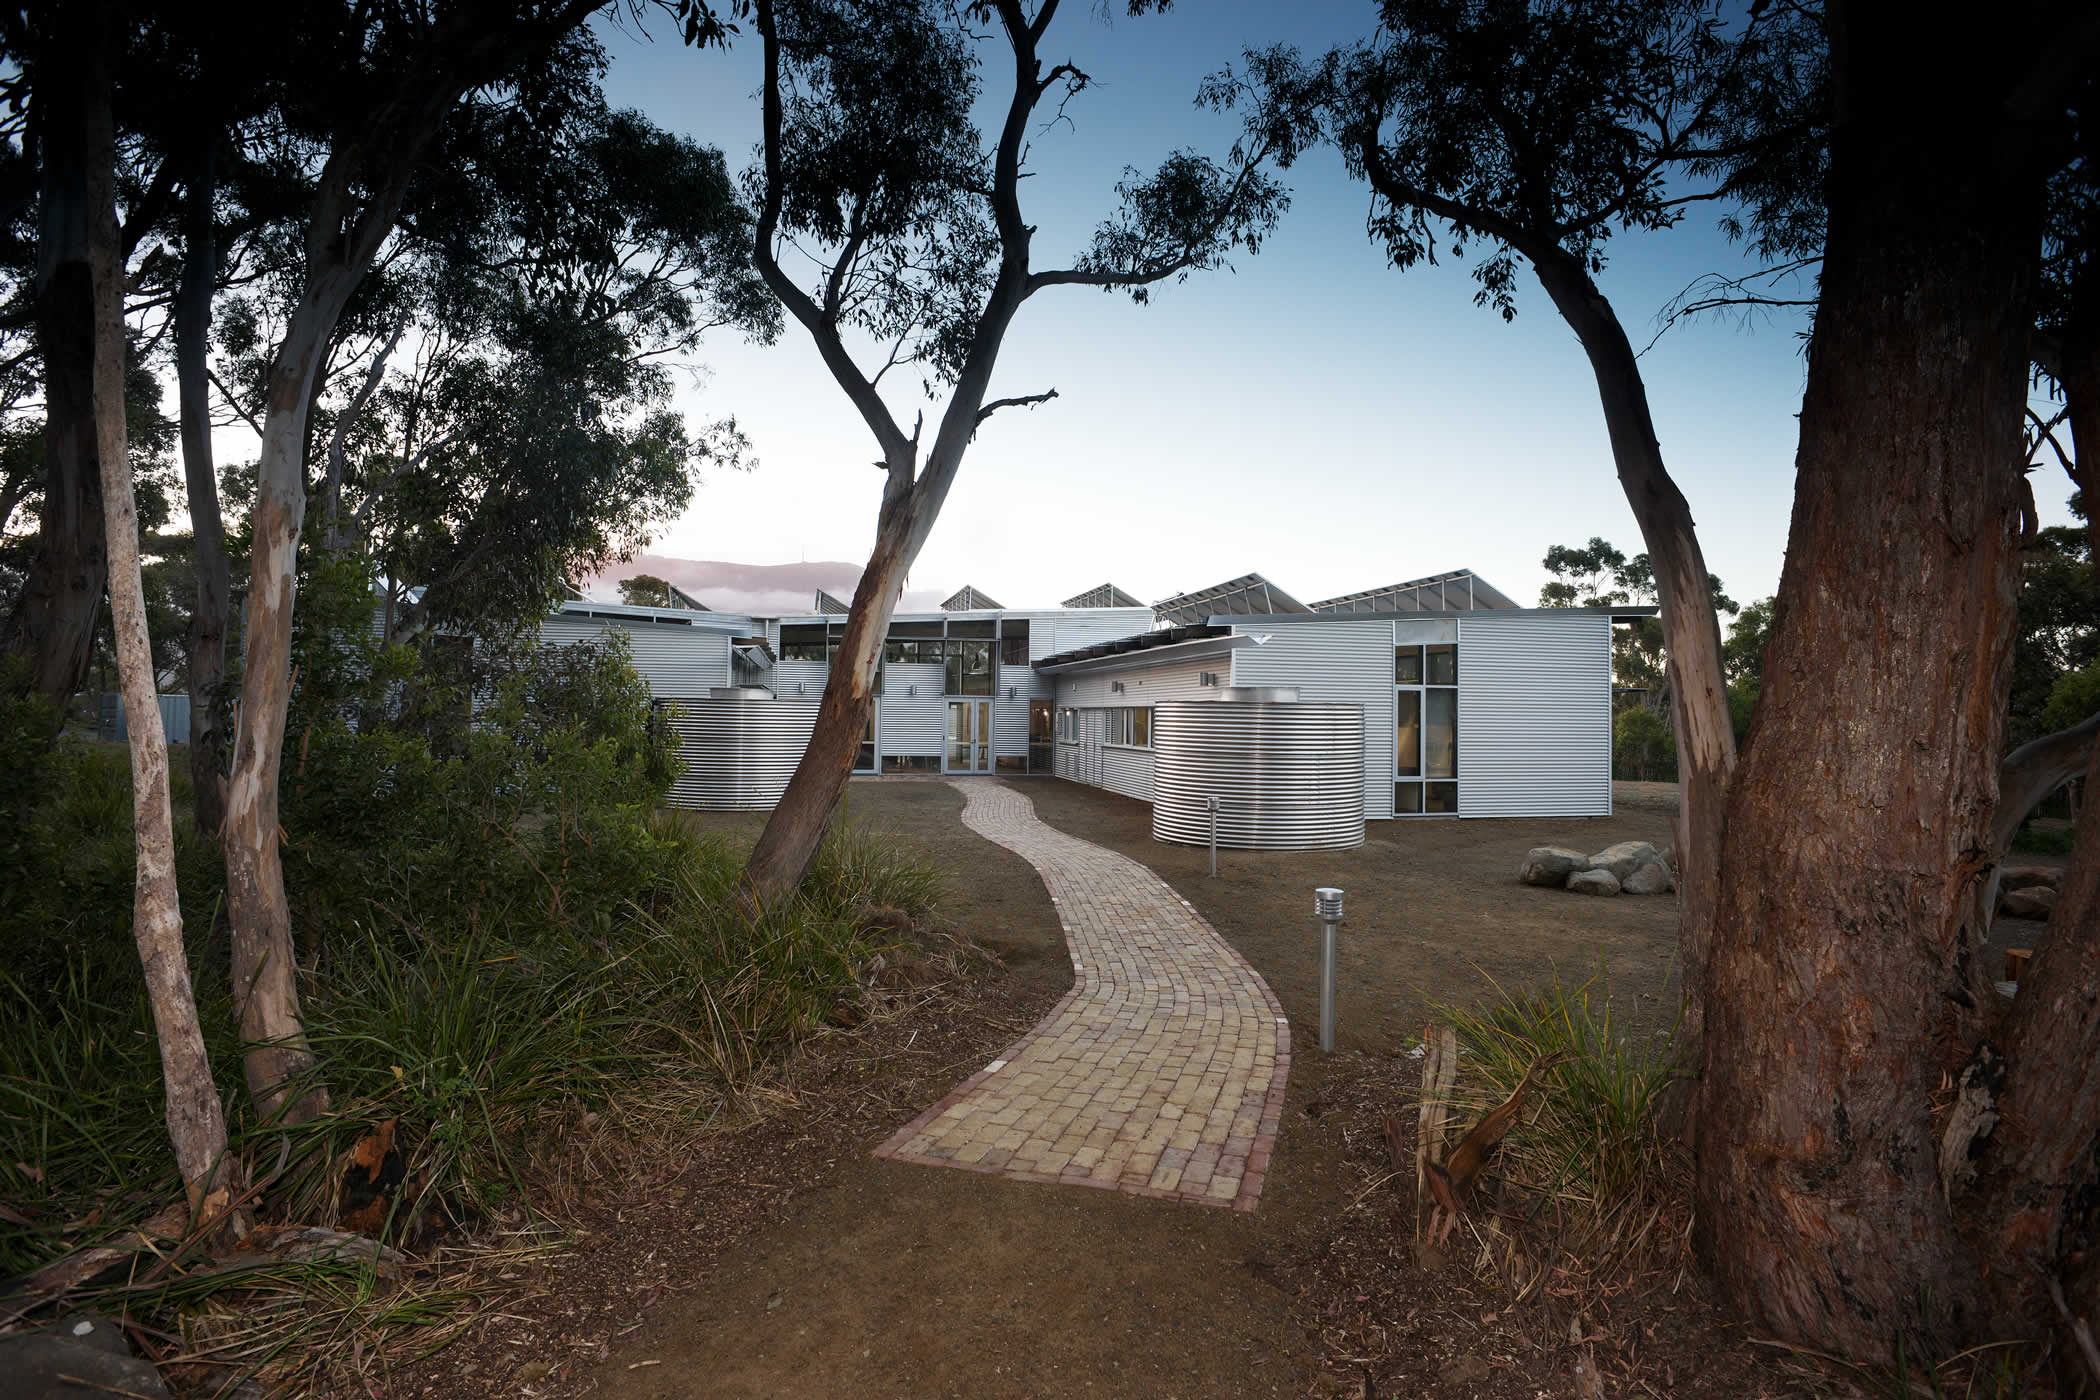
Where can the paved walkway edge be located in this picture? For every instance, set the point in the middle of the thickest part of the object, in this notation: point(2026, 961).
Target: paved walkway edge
point(1085, 985)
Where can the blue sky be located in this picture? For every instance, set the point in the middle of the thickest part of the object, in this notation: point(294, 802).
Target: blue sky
point(1311, 414)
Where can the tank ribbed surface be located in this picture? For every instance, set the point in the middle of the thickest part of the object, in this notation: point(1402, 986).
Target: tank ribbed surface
point(1288, 776)
point(739, 754)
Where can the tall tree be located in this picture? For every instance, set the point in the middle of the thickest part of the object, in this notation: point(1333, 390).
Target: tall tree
point(870, 157)
point(1846, 983)
point(196, 1121)
point(396, 72)
point(53, 620)
point(1535, 130)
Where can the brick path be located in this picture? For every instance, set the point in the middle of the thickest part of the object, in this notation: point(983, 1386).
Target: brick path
point(1162, 1070)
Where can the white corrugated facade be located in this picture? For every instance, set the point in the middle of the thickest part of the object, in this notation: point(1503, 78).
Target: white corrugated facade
point(1534, 701)
point(1534, 715)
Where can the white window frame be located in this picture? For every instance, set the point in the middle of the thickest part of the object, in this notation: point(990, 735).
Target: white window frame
point(1122, 727)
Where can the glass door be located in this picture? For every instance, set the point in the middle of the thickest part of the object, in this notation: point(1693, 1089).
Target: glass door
point(969, 747)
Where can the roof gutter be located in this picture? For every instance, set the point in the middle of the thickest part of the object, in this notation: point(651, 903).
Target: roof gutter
point(1150, 656)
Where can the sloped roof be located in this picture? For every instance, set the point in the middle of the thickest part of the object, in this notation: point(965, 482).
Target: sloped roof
point(1104, 595)
point(1461, 590)
point(968, 599)
point(1247, 595)
point(829, 606)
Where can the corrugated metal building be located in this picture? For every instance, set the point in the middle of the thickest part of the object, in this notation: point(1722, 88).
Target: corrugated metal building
point(1472, 706)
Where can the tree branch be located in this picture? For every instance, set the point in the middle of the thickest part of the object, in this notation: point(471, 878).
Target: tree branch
point(2034, 770)
point(895, 449)
point(1023, 401)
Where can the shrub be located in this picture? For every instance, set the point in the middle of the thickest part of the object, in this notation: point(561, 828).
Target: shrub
point(1643, 748)
point(1593, 1134)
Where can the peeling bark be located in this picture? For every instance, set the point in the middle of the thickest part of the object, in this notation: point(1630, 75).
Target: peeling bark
point(1844, 979)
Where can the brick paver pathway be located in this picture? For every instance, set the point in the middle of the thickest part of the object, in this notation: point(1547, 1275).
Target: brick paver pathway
point(1162, 1070)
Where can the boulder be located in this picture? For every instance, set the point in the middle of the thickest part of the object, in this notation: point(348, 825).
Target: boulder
point(1551, 865)
point(2026, 877)
point(1649, 877)
point(2033, 903)
point(58, 1365)
point(1593, 882)
point(1621, 859)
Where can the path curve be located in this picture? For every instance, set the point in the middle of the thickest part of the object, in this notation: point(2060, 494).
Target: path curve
point(1160, 1073)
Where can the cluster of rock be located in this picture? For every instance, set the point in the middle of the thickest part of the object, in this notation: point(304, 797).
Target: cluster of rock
point(1631, 867)
point(2027, 891)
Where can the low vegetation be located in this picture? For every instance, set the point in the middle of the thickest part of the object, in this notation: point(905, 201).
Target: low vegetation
point(516, 965)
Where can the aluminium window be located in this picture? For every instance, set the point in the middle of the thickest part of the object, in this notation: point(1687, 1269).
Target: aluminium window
point(1130, 727)
point(1068, 725)
point(1425, 759)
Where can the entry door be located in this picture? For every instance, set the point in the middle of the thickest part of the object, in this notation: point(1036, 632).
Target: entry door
point(969, 736)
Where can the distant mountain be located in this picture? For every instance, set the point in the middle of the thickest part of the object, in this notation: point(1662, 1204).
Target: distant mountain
point(760, 590)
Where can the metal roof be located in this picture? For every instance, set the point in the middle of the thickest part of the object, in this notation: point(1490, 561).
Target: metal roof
point(968, 599)
point(829, 606)
point(682, 599)
point(1618, 614)
point(1104, 595)
point(1461, 590)
point(1141, 642)
point(1247, 595)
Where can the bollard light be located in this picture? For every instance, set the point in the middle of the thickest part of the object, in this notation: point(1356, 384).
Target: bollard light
point(1327, 908)
point(1212, 803)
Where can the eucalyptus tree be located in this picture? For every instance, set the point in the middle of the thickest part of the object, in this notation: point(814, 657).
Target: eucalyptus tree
point(1534, 132)
point(873, 167)
point(553, 281)
point(393, 76)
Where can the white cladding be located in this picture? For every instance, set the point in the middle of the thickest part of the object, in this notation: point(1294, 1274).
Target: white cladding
point(913, 725)
point(1534, 716)
point(678, 661)
point(1335, 663)
point(1179, 680)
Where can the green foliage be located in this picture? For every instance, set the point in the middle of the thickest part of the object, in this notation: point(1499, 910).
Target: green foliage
point(2059, 631)
point(2073, 699)
point(1742, 704)
point(1743, 654)
point(1642, 748)
point(645, 591)
point(1592, 1134)
point(2039, 840)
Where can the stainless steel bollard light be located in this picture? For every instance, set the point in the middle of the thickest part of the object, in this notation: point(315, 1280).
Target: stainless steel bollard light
point(1327, 908)
point(1212, 803)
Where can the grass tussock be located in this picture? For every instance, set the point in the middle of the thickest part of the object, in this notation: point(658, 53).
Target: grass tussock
point(523, 1030)
point(1588, 1194)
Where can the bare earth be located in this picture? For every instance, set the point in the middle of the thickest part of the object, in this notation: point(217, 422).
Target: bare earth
point(785, 1261)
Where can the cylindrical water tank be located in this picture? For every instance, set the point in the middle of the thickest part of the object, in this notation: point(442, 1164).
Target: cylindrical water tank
point(1287, 776)
point(739, 753)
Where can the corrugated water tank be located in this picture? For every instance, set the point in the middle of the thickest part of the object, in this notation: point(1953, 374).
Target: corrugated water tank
point(1287, 775)
point(739, 750)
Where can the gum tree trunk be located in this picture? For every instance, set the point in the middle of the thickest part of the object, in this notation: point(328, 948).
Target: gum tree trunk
point(1844, 975)
point(196, 1122)
point(207, 640)
point(1698, 690)
point(53, 624)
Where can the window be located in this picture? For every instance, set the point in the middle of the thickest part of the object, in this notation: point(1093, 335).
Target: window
point(1068, 725)
point(970, 667)
point(1131, 728)
point(913, 651)
point(805, 643)
point(911, 763)
point(1013, 642)
point(865, 762)
point(1426, 730)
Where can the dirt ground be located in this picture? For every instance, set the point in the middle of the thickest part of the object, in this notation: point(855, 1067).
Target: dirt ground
point(785, 1261)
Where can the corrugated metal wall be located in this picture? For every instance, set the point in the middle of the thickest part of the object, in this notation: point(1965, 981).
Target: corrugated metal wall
point(1128, 771)
point(1534, 716)
point(810, 675)
point(679, 662)
point(1177, 681)
point(1337, 663)
point(913, 725)
point(1010, 723)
